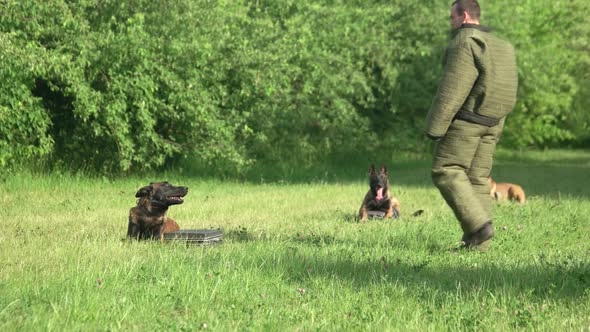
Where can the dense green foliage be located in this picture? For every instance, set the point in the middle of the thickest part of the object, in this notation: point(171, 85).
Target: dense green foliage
point(125, 85)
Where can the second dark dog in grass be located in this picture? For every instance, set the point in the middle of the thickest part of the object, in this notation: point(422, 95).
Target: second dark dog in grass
point(148, 219)
point(379, 198)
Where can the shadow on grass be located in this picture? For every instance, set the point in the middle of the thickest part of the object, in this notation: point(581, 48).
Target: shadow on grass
point(332, 170)
point(241, 234)
point(552, 174)
point(562, 281)
point(551, 180)
point(567, 278)
point(425, 265)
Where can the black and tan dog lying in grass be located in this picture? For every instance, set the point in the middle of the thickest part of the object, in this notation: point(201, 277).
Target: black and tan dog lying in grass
point(148, 219)
point(378, 201)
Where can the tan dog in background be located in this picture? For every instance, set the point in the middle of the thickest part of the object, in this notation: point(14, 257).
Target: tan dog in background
point(506, 191)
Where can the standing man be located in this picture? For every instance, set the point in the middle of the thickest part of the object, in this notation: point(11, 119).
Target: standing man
point(476, 92)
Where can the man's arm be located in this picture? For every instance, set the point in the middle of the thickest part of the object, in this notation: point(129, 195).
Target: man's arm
point(455, 85)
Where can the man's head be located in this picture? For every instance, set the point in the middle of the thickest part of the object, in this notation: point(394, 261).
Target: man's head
point(464, 11)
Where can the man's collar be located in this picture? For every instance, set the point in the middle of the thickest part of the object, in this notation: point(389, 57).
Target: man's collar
point(469, 26)
point(475, 26)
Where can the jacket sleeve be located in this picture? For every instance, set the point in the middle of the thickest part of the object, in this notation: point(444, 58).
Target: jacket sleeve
point(459, 76)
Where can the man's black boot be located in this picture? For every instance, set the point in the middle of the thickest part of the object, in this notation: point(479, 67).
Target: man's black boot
point(479, 239)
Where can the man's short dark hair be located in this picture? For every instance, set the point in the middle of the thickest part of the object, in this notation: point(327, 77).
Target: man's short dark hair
point(469, 6)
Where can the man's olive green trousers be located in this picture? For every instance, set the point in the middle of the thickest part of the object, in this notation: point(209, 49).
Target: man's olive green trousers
point(461, 165)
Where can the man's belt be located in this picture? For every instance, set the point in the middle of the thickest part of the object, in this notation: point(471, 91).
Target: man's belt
point(477, 118)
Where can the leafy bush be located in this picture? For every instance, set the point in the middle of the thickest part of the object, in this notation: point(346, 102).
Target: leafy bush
point(551, 38)
point(123, 86)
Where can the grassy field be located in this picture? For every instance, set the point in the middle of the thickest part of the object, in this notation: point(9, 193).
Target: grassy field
point(293, 258)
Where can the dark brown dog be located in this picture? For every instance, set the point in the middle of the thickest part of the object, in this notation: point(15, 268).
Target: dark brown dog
point(148, 219)
point(379, 197)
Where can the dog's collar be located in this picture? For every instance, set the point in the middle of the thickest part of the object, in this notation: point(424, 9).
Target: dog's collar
point(385, 198)
point(375, 203)
point(156, 203)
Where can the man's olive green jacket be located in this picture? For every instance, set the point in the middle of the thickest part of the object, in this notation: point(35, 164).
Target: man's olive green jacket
point(480, 76)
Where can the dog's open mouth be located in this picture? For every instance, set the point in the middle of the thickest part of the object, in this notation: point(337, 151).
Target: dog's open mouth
point(379, 194)
point(178, 199)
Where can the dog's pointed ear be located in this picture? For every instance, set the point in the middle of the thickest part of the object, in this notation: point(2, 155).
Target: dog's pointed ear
point(372, 170)
point(383, 169)
point(144, 191)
